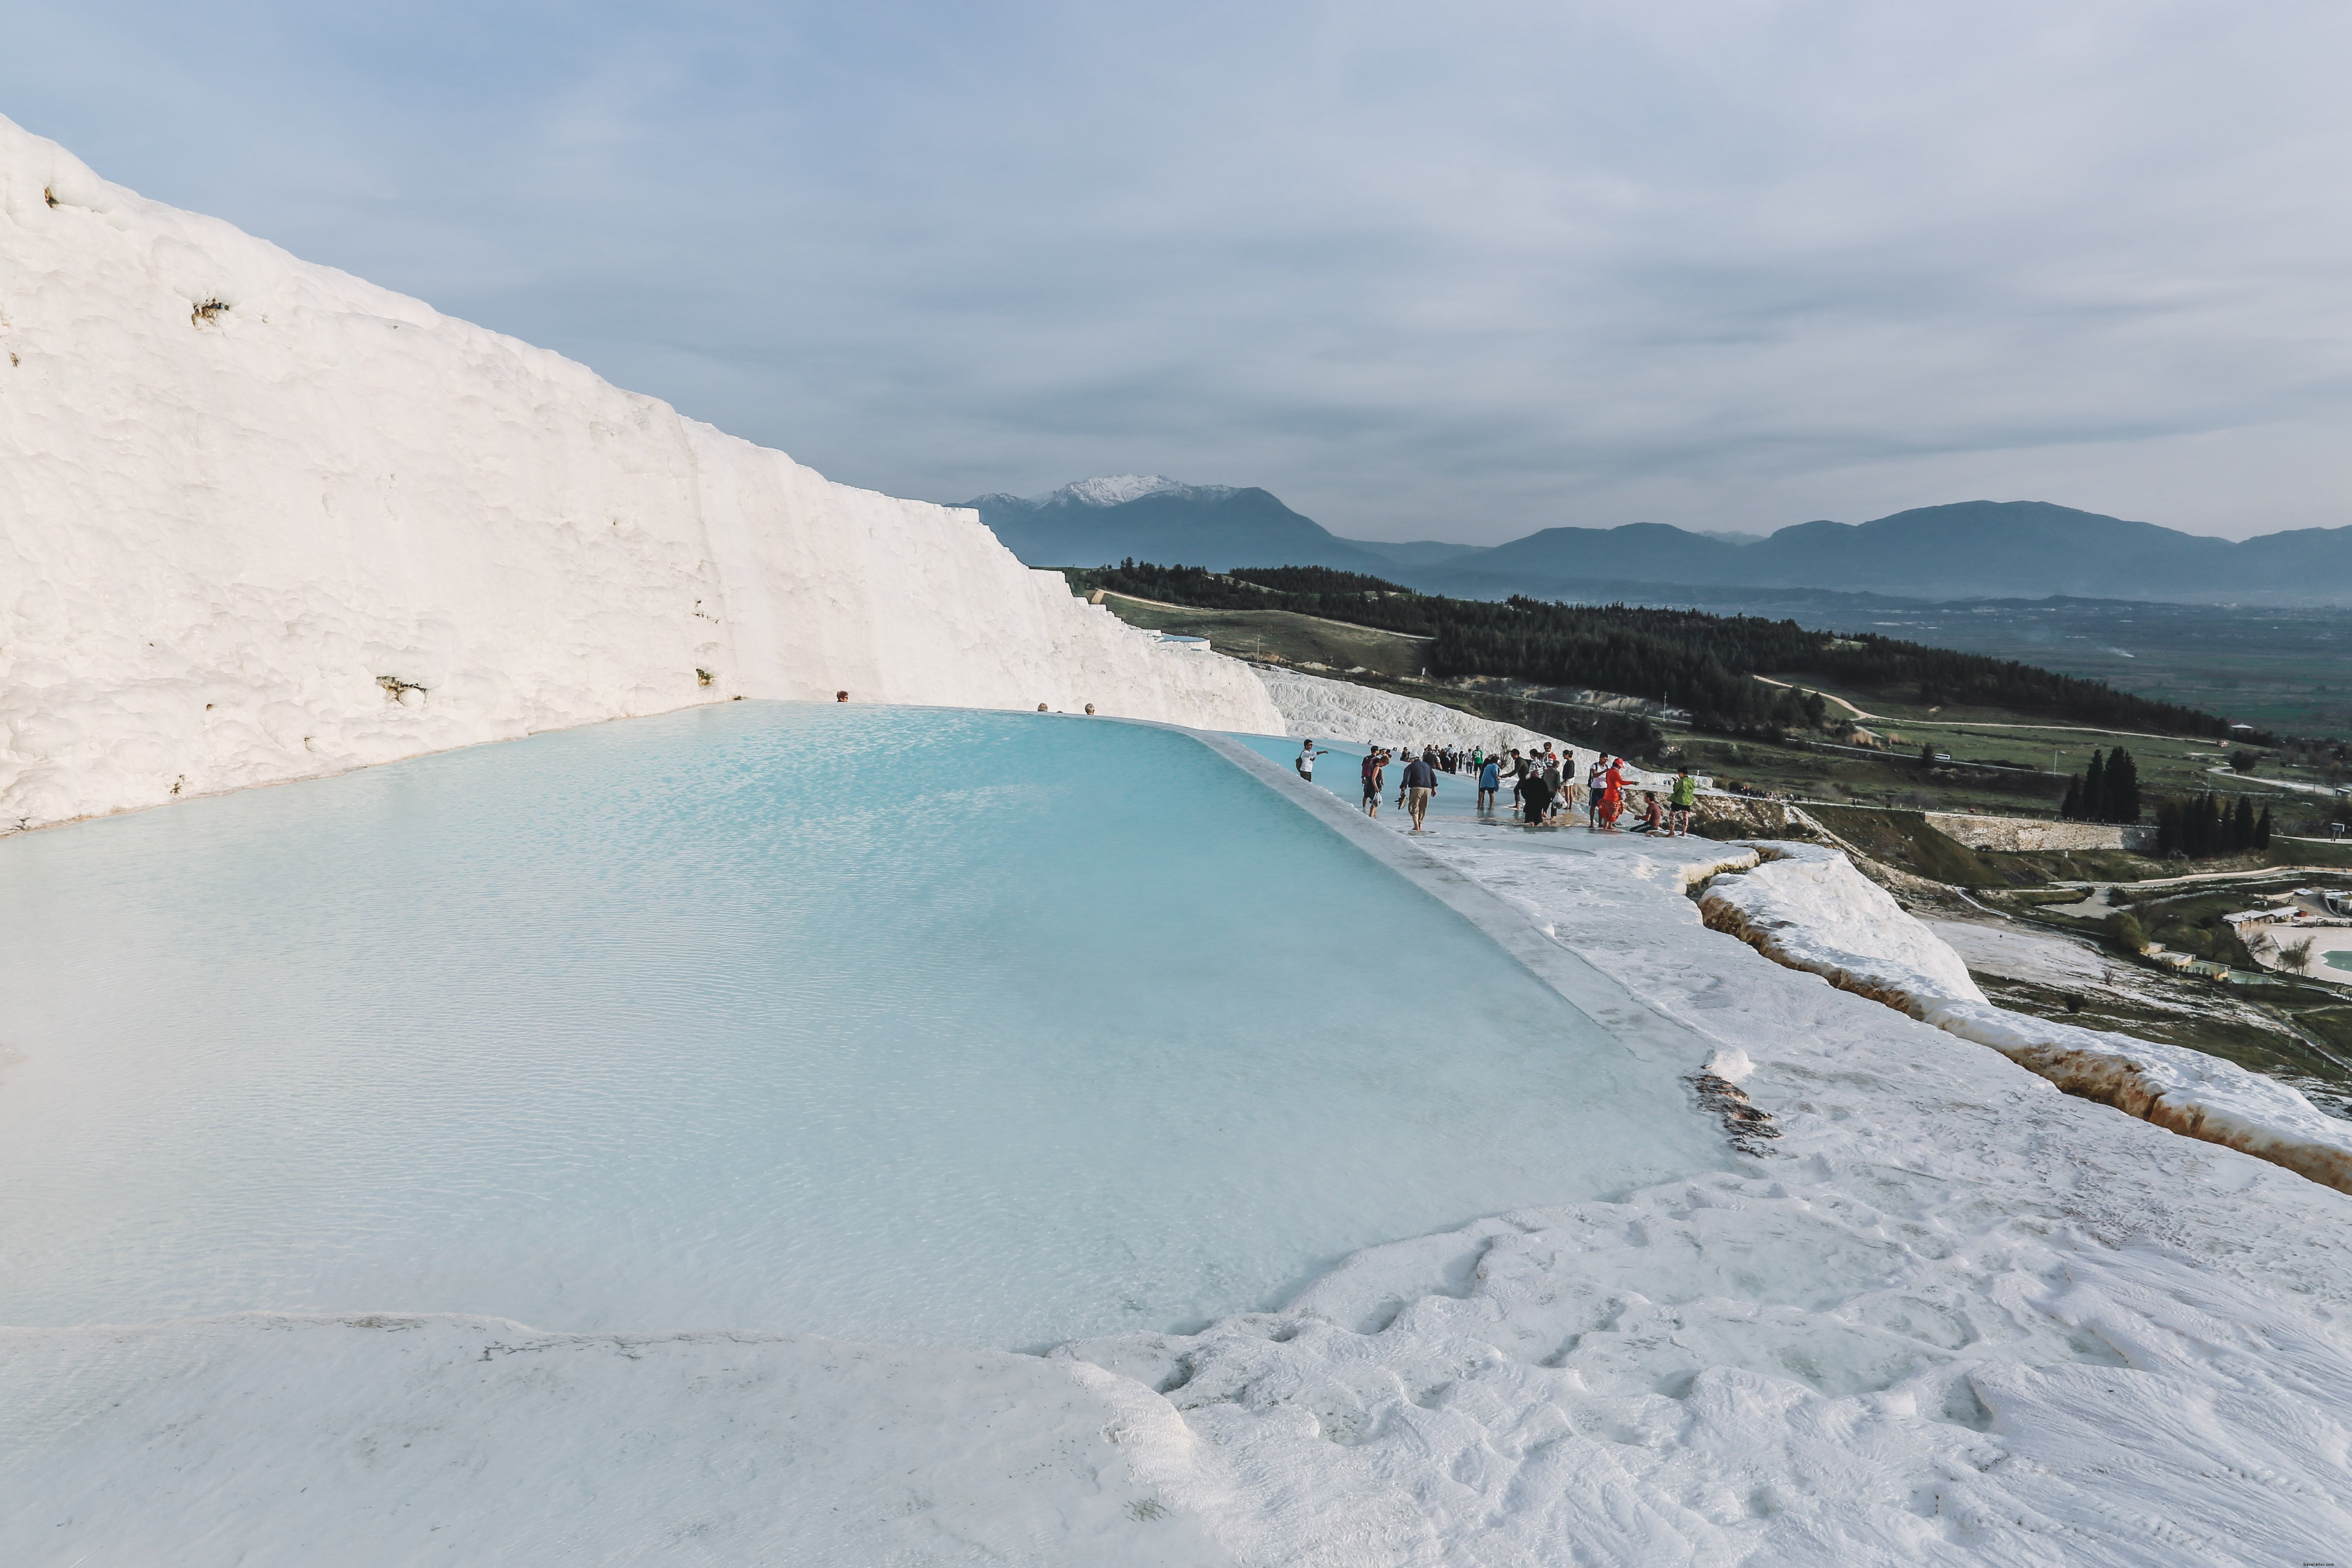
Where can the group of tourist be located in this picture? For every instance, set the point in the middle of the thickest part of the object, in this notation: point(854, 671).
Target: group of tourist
point(1545, 792)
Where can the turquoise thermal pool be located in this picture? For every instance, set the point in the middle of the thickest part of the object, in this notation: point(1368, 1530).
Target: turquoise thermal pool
point(910, 1024)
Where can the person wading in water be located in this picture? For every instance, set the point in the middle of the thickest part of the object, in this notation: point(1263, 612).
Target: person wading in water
point(1419, 787)
point(1535, 797)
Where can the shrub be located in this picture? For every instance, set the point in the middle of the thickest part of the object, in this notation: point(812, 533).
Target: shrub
point(2124, 927)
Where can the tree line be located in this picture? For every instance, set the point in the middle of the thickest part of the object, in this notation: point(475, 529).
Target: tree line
point(1689, 659)
point(2202, 825)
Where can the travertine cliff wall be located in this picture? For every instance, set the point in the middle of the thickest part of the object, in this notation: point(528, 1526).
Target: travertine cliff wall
point(261, 520)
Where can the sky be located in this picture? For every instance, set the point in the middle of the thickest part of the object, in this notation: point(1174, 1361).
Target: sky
point(1425, 272)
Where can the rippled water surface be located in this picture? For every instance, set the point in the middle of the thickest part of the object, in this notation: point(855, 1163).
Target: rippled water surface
point(891, 1024)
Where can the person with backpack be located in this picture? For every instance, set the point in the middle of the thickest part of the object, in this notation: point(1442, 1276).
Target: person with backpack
point(1684, 800)
point(1306, 762)
point(1373, 761)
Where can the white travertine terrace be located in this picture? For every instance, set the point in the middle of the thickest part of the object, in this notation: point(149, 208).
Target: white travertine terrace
point(261, 520)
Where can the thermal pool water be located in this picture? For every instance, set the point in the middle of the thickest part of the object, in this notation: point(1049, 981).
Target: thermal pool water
point(926, 1025)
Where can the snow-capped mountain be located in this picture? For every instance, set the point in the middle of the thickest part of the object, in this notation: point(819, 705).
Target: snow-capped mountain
point(1118, 490)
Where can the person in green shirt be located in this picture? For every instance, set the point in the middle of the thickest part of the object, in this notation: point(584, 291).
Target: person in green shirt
point(1684, 800)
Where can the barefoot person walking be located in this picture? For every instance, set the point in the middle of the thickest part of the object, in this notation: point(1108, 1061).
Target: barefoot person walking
point(1684, 800)
point(1420, 785)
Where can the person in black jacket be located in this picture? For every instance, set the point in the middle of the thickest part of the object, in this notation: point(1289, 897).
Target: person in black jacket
point(1535, 797)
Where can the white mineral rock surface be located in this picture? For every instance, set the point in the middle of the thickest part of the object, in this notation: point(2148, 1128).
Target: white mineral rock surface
point(1312, 706)
point(261, 520)
point(1953, 1316)
point(1811, 909)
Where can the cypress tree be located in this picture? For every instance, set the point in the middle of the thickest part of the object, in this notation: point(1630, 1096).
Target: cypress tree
point(2123, 786)
point(2263, 831)
point(2168, 827)
point(2242, 826)
point(2071, 808)
point(2094, 790)
point(2211, 834)
point(1928, 756)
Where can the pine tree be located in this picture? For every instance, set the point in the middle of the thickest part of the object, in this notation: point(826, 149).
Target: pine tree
point(2071, 808)
point(2094, 790)
point(2123, 788)
point(2263, 831)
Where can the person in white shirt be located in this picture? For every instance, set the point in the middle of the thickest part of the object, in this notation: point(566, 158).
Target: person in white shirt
point(1306, 764)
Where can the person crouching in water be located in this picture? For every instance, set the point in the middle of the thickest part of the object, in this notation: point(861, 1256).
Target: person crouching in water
point(1654, 814)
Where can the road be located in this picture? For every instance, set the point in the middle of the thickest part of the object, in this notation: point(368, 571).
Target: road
point(2326, 791)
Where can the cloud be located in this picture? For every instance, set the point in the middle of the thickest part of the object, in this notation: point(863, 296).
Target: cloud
point(1457, 271)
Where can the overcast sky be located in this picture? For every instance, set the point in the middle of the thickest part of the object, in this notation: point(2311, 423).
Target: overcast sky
point(1450, 271)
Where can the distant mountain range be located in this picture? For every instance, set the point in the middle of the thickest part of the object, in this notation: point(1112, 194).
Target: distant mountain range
point(1096, 522)
point(1970, 549)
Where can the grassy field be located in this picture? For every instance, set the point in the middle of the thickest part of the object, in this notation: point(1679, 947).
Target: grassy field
point(2167, 765)
point(2289, 670)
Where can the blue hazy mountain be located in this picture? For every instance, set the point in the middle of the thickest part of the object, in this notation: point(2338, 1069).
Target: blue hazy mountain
point(1967, 549)
point(1964, 550)
point(1416, 552)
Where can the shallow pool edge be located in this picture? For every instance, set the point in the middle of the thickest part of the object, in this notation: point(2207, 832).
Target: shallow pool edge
point(1646, 1034)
